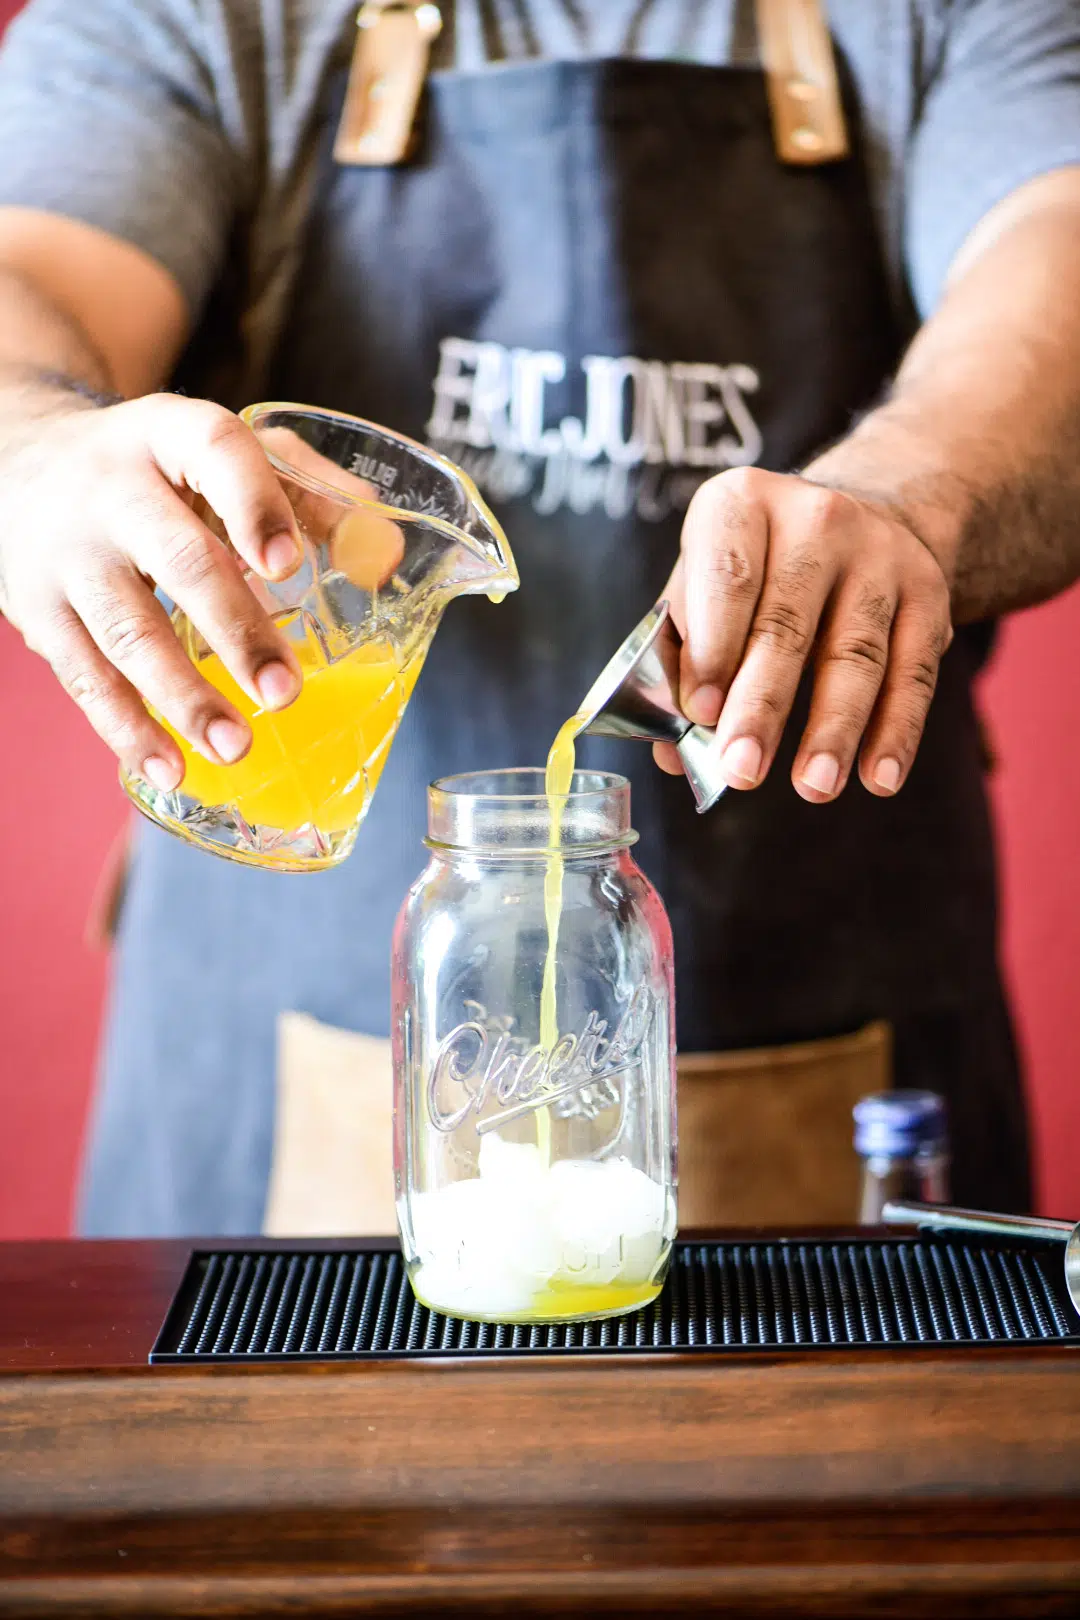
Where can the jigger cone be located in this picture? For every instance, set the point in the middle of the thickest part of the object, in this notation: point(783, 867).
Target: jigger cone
point(636, 696)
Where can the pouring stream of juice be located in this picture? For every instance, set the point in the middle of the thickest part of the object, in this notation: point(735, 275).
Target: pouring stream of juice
point(557, 779)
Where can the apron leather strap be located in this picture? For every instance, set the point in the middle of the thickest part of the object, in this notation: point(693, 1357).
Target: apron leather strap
point(389, 65)
point(800, 76)
point(394, 39)
point(107, 899)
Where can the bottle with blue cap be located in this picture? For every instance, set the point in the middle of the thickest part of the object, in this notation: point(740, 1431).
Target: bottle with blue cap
point(903, 1140)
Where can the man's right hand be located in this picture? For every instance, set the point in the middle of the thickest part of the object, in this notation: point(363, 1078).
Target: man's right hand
point(96, 510)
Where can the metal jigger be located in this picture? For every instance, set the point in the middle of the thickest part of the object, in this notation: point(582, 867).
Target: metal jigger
point(635, 696)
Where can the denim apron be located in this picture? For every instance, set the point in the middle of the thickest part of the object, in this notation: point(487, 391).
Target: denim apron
point(595, 286)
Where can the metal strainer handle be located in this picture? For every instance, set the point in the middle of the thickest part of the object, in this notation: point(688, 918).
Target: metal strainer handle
point(943, 1218)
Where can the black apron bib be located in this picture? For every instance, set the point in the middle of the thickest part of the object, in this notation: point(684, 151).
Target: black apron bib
point(595, 287)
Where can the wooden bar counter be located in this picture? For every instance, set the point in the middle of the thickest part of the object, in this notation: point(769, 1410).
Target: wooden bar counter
point(922, 1482)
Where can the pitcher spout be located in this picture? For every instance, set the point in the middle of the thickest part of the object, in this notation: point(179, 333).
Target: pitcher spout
point(452, 544)
point(480, 562)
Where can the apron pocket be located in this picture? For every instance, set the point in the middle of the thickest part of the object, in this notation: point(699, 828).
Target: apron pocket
point(765, 1136)
point(331, 1172)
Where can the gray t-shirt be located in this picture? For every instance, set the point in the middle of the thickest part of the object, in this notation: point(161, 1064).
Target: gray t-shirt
point(173, 123)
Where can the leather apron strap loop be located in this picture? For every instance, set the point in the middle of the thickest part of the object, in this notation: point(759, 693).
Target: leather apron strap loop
point(800, 77)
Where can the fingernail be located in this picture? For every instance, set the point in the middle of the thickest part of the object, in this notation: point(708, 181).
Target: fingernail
point(887, 775)
point(741, 761)
point(822, 773)
point(227, 739)
point(703, 705)
point(277, 684)
point(281, 554)
point(160, 774)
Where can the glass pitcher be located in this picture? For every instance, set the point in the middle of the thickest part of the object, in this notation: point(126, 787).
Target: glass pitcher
point(535, 1177)
point(391, 532)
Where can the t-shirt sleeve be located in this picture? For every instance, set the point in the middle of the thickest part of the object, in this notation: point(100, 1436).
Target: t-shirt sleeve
point(1001, 108)
point(108, 115)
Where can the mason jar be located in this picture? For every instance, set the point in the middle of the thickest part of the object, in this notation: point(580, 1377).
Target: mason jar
point(534, 1056)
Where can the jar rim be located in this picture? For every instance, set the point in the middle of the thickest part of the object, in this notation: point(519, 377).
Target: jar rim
point(601, 782)
point(506, 812)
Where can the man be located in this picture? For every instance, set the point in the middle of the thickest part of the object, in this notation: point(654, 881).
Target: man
point(599, 286)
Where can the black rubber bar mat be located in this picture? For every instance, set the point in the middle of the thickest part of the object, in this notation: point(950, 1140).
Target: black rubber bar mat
point(237, 1305)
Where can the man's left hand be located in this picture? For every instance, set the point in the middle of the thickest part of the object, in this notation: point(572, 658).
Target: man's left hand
point(776, 572)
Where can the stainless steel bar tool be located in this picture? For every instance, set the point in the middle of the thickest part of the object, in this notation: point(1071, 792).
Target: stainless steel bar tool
point(943, 1218)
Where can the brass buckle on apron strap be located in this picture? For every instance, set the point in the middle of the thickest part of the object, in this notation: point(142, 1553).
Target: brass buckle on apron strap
point(389, 65)
point(393, 45)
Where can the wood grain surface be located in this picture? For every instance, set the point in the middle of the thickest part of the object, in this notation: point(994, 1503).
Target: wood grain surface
point(847, 1483)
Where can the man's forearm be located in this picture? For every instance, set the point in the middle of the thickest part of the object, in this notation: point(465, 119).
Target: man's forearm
point(47, 362)
point(978, 445)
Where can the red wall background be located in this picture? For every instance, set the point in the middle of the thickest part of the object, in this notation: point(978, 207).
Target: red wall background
point(61, 808)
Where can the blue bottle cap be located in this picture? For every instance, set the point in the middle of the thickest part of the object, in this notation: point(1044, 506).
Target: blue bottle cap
point(900, 1124)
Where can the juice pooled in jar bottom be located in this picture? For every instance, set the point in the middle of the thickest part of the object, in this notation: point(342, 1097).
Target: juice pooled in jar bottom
point(525, 1241)
point(318, 761)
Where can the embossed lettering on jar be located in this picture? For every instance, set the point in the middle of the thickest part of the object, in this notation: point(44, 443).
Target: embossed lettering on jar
point(535, 1167)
